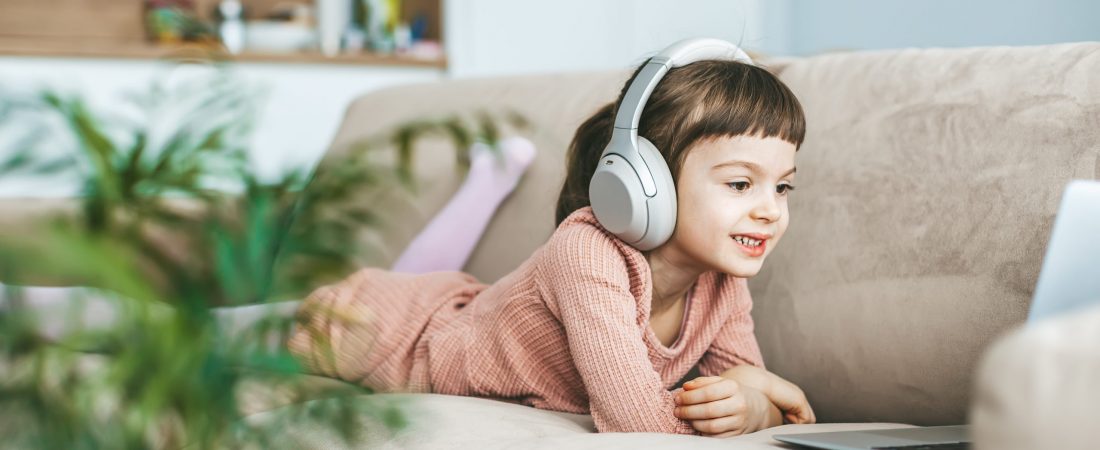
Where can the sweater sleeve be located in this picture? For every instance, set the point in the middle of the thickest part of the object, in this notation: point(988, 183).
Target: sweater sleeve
point(587, 276)
point(735, 343)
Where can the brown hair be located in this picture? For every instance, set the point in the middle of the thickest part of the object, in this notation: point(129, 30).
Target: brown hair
point(703, 100)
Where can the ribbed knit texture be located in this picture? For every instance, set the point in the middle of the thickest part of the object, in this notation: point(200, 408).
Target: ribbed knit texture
point(566, 331)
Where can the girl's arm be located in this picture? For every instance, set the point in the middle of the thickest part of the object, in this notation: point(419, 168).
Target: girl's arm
point(586, 278)
point(734, 354)
point(735, 343)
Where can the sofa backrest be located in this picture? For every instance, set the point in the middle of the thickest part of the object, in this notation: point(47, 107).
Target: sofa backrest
point(554, 105)
point(932, 179)
point(927, 188)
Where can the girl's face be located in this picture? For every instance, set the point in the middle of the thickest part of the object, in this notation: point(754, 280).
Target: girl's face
point(732, 203)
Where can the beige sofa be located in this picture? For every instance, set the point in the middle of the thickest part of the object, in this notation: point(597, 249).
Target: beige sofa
point(927, 189)
point(928, 186)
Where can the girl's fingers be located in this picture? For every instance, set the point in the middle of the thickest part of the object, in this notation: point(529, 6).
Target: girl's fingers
point(717, 390)
point(721, 408)
point(800, 416)
point(795, 416)
point(700, 382)
point(729, 425)
point(798, 410)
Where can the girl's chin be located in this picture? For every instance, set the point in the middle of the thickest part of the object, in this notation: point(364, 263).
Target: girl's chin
point(740, 274)
point(743, 269)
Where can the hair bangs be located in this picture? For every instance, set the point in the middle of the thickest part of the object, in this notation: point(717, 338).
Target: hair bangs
point(745, 100)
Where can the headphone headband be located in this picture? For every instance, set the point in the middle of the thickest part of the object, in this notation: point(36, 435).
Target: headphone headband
point(678, 54)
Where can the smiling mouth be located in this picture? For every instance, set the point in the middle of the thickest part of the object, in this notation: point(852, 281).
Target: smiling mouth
point(750, 246)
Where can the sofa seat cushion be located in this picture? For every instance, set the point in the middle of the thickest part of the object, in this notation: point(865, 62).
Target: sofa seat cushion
point(438, 421)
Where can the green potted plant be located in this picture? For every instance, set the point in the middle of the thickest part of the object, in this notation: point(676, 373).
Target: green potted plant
point(171, 223)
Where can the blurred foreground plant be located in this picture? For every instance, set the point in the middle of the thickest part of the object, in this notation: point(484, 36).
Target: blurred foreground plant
point(171, 224)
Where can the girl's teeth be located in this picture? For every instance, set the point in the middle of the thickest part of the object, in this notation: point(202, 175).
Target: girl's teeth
point(747, 241)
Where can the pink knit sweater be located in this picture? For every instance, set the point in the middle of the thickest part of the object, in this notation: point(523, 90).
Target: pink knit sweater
point(567, 331)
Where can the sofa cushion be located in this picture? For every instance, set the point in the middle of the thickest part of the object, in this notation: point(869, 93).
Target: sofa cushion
point(446, 421)
point(554, 104)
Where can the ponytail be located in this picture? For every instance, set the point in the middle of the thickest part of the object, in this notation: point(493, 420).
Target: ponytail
point(584, 153)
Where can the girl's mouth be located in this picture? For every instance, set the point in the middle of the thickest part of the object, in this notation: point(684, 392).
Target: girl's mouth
point(754, 248)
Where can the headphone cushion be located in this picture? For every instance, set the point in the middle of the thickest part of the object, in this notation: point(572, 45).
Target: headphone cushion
point(661, 208)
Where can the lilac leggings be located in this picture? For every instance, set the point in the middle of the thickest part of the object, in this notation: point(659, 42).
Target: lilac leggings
point(449, 239)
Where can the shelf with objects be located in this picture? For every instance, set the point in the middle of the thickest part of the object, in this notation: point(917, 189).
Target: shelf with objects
point(358, 32)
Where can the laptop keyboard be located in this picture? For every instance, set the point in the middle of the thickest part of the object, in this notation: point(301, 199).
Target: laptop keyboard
point(948, 446)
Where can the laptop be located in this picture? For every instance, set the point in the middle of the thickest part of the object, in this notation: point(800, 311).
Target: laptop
point(1067, 282)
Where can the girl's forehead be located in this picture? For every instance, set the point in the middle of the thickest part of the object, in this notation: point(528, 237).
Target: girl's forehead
point(764, 153)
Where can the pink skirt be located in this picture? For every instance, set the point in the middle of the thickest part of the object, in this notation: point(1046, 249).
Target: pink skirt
point(372, 327)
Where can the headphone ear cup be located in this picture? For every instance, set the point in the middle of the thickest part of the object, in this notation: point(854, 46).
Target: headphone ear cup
point(661, 208)
point(618, 200)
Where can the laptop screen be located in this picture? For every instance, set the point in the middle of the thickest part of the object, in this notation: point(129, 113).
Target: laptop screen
point(1070, 277)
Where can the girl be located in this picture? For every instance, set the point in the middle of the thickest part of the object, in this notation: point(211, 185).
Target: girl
point(590, 324)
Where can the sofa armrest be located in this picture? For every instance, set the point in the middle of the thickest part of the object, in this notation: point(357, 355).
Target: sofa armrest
point(24, 213)
point(23, 223)
point(22, 220)
point(1037, 386)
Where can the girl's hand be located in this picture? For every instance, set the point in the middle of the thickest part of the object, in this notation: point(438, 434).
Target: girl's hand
point(786, 396)
point(720, 407)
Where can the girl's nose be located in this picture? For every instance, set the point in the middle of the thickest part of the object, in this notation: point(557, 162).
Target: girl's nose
point(767, 208)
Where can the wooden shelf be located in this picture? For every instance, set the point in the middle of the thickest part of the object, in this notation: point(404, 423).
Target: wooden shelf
point(104, 49)
point(115, 29)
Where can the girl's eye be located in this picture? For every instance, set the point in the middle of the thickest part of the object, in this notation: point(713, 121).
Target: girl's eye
point(739, 186)
point(784, 188)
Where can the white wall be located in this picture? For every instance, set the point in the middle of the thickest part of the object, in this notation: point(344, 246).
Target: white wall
point(817, 26)
point(504, 37)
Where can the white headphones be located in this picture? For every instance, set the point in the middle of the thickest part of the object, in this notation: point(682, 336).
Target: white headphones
point(632, 193)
